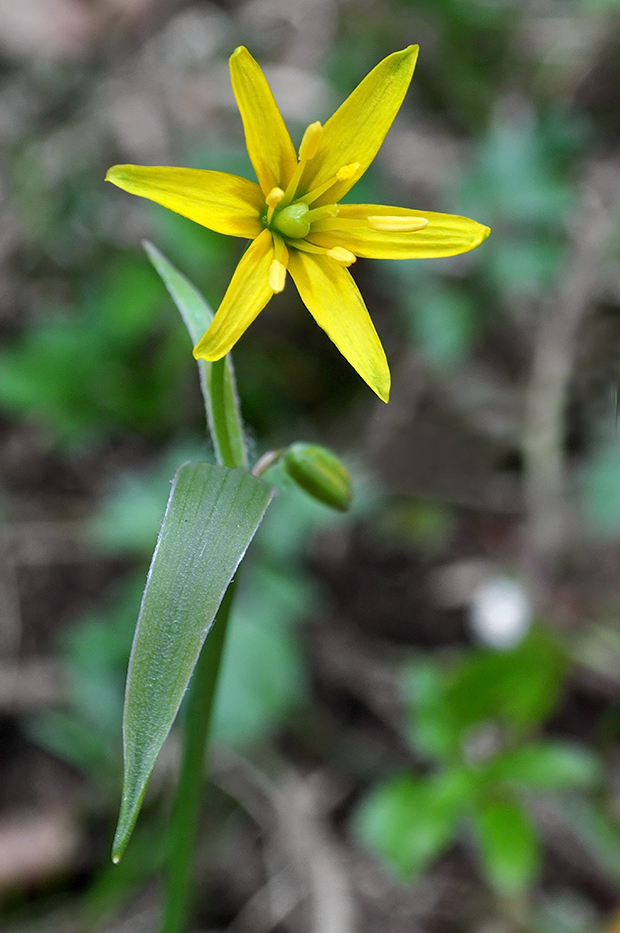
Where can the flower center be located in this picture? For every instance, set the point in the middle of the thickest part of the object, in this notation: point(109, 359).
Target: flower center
point(289, 216)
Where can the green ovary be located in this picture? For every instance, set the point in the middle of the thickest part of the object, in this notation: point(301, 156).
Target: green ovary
point(292, 221)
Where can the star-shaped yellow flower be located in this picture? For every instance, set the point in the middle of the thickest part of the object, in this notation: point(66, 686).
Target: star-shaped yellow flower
point(293, 218)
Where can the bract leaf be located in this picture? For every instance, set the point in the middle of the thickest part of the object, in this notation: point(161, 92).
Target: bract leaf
point(197, 316)
point(211, 517)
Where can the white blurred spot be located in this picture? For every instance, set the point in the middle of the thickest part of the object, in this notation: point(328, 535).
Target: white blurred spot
point(500, 613)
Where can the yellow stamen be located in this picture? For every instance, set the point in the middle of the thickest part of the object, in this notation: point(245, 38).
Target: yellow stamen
point(343, 174)
point(291, 188)
point(342, 256)
point(279, 263)
point(320, 213)
point(396, 224)
point(277, 276)
point(273, 199)
point(310, 141)
point(347, 171)
point(307, 247)
point(307, 150)
point(280, 251)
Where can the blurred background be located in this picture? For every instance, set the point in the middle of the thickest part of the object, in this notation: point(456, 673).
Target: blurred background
point(418, 726)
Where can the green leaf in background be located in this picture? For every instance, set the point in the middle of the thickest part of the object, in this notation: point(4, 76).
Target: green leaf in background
point(197, 316)
point(509, 846)
point(548, 765)
point(517, 175)
point(104, 362)
point(441, 318)
point(597, 828)
point(262, 674)
point(211, 517)
point(516, 688)
point(408, 820)
point(520, 687)
point(85, 730)
point(601, 489)
point(434, 731)
point(129, 515)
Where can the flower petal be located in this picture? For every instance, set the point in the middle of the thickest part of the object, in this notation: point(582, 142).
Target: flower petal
point(245, 298)
point(225, 203)
point(445, 234)
point(357, 129)
point(333, 299)
point(267, 139)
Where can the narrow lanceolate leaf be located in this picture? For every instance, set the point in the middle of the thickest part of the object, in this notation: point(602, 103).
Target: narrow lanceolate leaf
point(197, 316)
point(212, 515)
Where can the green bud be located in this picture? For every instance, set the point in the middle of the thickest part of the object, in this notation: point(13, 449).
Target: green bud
point(319, 473)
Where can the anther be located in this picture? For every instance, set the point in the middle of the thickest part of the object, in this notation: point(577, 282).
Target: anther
point(277, 276)
point(347, 171)
point(310, 141)
point(343, 174)
point(397, 224)
point(274, 197)
point(343, 257)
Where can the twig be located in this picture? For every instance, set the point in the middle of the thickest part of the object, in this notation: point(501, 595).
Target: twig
point(303, 859)
point(555, 344)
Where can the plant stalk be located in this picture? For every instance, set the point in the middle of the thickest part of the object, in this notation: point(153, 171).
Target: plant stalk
point(199, 704)
point(185, 815)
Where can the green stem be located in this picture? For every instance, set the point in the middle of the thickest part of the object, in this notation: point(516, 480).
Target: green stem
point(199, 704)
point(224, 421)
point(184, 823)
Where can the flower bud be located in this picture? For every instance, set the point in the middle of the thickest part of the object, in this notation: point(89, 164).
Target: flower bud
point(319, 473)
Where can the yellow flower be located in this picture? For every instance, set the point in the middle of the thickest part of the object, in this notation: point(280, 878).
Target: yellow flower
point(293, 218)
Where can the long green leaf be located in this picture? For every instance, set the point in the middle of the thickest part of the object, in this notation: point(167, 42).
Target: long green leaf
point(197, 315)
point(212, 515)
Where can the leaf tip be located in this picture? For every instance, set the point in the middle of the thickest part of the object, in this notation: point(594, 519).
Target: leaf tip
point(121, 838)
point(126, 821)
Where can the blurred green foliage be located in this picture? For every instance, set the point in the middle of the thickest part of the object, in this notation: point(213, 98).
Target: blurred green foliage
point(86, 731)
point(476, 722)
point(600, 484)
point(92, 350)
point(112, 363)
point(263, 678)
